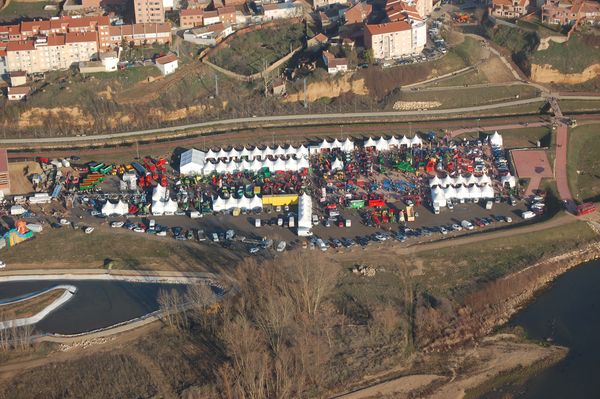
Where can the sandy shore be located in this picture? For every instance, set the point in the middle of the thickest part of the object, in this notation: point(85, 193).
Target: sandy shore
point(478, 364)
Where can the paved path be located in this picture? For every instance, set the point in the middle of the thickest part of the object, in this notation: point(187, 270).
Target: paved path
point(458, 132)
point(291, 118)
point(560, 161)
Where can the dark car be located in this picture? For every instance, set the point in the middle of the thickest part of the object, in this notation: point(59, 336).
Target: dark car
point(176, 231)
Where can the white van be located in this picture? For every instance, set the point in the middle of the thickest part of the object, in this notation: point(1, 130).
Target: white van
point(466, 225)
point(527, 215)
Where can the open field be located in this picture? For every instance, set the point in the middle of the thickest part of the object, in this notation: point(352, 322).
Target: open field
point(520, 138)
point(580, 105)
point(250, 52)
point(467, 97)
point(27, 9)
point(29, 307)
point(583, 163)
point(68, 248)
point(573, 56)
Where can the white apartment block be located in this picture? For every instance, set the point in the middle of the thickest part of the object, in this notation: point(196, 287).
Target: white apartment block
point(51, 53)
point(396, 39)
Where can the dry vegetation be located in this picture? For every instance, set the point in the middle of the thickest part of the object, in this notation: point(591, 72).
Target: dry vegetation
point(29, 307)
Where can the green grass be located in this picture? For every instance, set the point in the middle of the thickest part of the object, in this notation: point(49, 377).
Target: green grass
point(456, 269)
point(519, 138)
point(469, 78)
point(248, 53)
point(583, 163)
point(456, 98)
point(570, 57)
point(537, 26)
point(579, 105)
point(17, 9)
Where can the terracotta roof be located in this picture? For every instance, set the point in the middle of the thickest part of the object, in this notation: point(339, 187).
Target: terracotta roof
point(321, 38)
point(82, 37)
point(191, 12)
point(166, 59)
point(17, 74)
point(128, 30)
point(31, 26)
point(18, 90)
point(379, 29)
point(226, 10)
point(333, 61)
point(56, 40)
point(210, 14)
point(20, 46)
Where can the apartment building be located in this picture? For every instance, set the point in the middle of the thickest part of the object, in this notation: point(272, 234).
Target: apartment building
point(358, 13)
point(149, 11)
point(138, 34)
point(510, 9)
point(395, 39)
point(48, 53)
point(191, 18)
point(396, 9)
point(565, 12)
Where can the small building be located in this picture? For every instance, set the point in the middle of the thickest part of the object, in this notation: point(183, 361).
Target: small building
point(510, 9)
point(108, 63)
point(358, 13)
point(334, 64)
point(167, 64)
point(279, 88)
point(18, 93)
point(191, 18)
point(281, 11)
point(208, 35)
point(18, 78)
point(4, 174)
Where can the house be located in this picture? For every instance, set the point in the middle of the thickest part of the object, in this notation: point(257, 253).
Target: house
point(420, 7)
point(510, 9)
point(566, 12)
point(167, 64)
point(319, 40)
point(321, 4)
point(395, 39)
point(18, 78)
point(191, 18)
point(18, 93)
point(358, 13)
point(208, 35)
point(334, 64)
point(281, 11)
point(279, 88)
point(108, 63)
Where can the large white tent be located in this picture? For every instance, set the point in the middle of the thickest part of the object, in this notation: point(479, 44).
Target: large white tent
point(382, 144)
point(496, 140)
point(405, 141)
point(508, 179)
point(192, 162)
point(304, 215)
point(227, 204)
point(369, 143)
point(120, 208)
point(416, 141)
point(438, 198)
point(337, 165)
point(347, 145)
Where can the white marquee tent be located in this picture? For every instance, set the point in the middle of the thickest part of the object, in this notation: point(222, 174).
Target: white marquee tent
point(304, 215)
point(496, 140)
point(120, 208)
point(191, 162)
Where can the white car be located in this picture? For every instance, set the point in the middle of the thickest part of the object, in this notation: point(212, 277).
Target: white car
point(139, 230)
point(254, 250)
point(2, 264)
point(443, 230)
point(456, 227)
point(161, 233)
point(117, 224)
point(64, 222)
point(89, 230)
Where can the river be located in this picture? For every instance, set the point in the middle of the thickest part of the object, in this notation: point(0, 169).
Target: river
point(96, 304)
point(569, 314)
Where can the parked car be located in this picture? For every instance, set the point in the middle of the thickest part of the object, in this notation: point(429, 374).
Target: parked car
point(467, 225)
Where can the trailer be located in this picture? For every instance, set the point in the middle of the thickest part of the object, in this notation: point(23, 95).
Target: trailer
point(585, 209)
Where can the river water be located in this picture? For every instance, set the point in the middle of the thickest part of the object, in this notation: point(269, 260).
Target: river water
point(569, 314)
point(96, 304)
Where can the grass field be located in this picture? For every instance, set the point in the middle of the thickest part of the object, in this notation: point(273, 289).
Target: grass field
point(29, 307)
point(249, 53)
point(68, 248)
point(519, 138)
point(466, 97)
point(583, 163)
point(29, 10)
point(573, 56)
point(579, 105)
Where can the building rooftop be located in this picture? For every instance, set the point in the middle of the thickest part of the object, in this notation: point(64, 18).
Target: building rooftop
point(166, 59)
point(390, 27)
point(18, 90)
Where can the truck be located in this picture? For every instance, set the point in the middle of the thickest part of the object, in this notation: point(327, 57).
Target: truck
point(195, 214)
point(410, 214)
point(527, 214)
point(348, 223)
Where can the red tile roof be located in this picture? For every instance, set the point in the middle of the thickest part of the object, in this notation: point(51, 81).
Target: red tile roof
point(3, 160)
point(191, 12)
point(20, 45)
point(390, 27)
point(18, 90)
point(166, 59)
point(82, 37)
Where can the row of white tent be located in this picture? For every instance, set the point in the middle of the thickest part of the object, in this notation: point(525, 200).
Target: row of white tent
point(345, 146)
point(278, 165)
point(110, 209)
point(440, 196)
point(383, 144)
point(226, 204)
point(256, 153)
point(460, 180)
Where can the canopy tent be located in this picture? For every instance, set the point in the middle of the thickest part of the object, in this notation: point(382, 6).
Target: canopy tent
point(304, 215)
point(435, 182)
point(438, 198)
point(302, 151)
point(474, 192)
point(120, 208)
point(158, 208)
point(369, 143)
point(394, 142)
point(462, 193)
point(325, 145)
point(337, 165)
point(405, 141)
point(487, 192)
point(210, 154)
point(484, 180)
point(256, 153)
point(227, 204)
point(459, 181)
point(508, 179)
point(450, 193)
point(191, 162)
point(381, 144)
point(245, 152)
point(160, 193)
point(336, 144)
point(416, 141)
point(170, 207)
point(447, 181)
point(496, 140)
point(347, 145)
point(471, 180)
